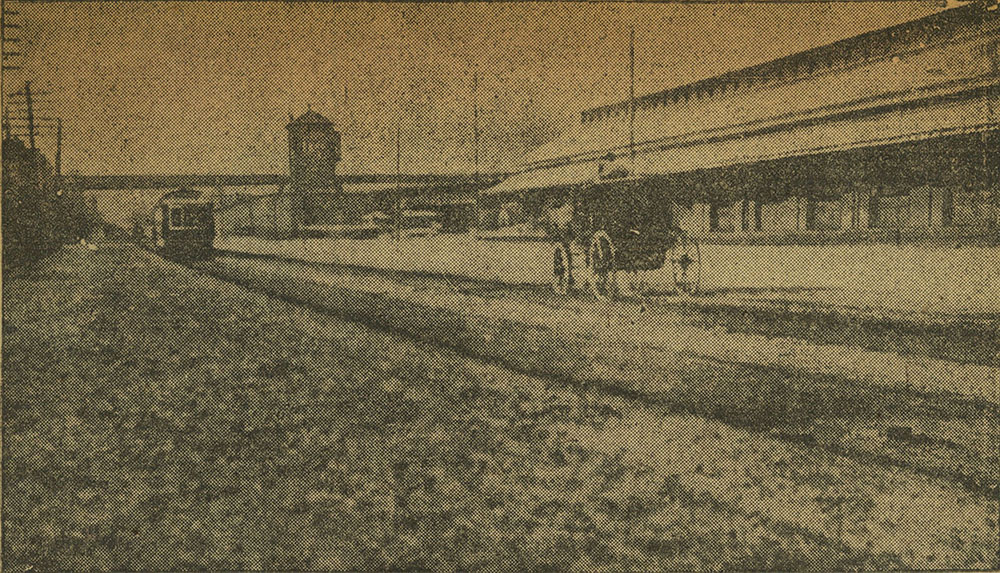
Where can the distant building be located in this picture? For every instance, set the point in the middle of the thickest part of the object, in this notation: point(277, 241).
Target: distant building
point(316, 200)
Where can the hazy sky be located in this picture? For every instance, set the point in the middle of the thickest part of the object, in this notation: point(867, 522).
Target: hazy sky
point(207, 87)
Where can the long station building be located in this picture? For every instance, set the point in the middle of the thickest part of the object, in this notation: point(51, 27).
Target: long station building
point(892, 133)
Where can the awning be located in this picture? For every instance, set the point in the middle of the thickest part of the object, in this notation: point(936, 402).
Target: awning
point(972, 112)
point(895, 126)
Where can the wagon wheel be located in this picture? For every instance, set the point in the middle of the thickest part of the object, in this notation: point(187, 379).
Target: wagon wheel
point(562, 269)
point(602, 265)
point(685, 262)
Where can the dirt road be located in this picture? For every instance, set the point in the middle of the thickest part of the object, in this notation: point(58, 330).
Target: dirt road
point(908, 279)
point(931, 418)
point(162, 419)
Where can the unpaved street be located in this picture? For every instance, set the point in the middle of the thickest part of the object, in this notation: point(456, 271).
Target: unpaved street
point(909, 279)
point(145, 401)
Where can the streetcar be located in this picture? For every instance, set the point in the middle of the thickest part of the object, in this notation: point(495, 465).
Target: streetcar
point(183, 225)
point(605, 231)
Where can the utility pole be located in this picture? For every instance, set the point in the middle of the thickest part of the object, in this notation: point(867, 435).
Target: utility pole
point(631, 97)
point(475, 122)
point(34, 125)
point(58, 165)
point(475, 141)
point(399, 196)
point(31, 115)
point(5, 39)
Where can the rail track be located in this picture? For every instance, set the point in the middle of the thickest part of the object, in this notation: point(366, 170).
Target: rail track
point(788, 405)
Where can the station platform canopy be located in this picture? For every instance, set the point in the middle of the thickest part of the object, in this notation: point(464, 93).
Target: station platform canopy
point(972, 112)
point(931, 78)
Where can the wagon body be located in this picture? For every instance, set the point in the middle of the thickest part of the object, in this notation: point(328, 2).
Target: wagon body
point(639, 222)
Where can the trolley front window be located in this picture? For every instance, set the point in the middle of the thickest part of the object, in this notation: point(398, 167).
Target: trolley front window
point(189, 216)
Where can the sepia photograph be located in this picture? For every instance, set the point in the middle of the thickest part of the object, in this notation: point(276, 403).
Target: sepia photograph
point(503, 286)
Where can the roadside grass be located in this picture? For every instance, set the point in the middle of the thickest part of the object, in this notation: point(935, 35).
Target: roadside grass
point(157, 419)
point(843, 415)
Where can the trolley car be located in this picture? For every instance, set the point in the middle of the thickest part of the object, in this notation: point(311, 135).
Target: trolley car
point(618, 227)
point(183, 225)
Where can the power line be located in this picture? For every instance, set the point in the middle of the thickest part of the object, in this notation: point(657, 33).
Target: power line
point(5, 25)
point(35, 117)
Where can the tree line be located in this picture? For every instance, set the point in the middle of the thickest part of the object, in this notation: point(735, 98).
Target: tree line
point(40, 211)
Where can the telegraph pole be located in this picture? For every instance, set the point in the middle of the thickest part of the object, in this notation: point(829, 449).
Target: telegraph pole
point(631, 96)
point(399, 196)
point(31, 115)
point(5, 39)
point(475, 142)
point(475, 122)
point(58, 165)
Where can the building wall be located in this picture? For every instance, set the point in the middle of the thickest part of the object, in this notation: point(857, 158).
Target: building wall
point(343, 208)
point(313, 153)
point(926, 210)
point(781, 216)
point(273, 216)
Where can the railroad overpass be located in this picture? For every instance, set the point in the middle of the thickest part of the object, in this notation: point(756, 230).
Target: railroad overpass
point(893, 129)
point(405, 180)
point(266, 202)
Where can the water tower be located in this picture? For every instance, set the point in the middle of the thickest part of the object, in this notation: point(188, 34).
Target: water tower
point(313, 153)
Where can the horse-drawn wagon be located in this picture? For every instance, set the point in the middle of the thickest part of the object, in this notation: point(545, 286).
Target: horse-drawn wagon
point(604, 232)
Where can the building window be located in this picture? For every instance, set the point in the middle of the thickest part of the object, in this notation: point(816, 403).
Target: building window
point(314, 144)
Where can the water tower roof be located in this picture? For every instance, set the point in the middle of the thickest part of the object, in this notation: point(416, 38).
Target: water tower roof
point(310, 118)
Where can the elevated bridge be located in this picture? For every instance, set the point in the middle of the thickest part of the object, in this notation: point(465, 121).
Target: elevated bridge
point(893, 128)
point(361, 180)
point(115, 182)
